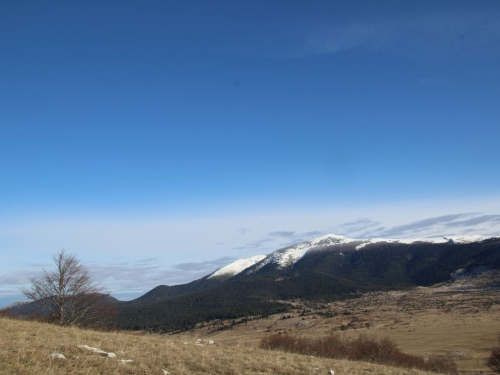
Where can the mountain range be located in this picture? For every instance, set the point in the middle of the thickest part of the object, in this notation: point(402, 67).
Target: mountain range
point(324, 268)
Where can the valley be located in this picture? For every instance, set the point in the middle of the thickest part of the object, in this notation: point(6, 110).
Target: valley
point(460, 319)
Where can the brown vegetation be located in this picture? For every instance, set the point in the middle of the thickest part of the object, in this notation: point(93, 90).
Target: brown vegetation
point(494, 360)
point(460, 321)
point(34, 348)
point(363, 348)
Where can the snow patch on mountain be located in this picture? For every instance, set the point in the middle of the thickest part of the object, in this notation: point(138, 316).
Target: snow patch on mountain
point(470, 239)
point(403, 241)
point(237, 267)
point(290, 255)
point(459, 240)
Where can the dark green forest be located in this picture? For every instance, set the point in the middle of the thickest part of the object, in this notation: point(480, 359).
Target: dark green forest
point(329, 274)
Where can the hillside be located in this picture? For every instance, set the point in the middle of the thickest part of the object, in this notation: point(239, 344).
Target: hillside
point(324, 269)
point(458, 318)
point(32, 348)
point(327, 268)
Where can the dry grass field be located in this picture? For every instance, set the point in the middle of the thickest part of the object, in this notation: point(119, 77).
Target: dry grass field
point(31, 348)
point(458, 319)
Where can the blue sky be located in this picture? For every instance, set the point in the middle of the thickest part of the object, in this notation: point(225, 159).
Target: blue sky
point(125, 126)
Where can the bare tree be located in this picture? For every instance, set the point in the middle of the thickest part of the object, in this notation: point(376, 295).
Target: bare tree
point(67, 295)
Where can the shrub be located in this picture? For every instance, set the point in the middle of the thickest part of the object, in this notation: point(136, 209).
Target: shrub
point(363, 348)
point(494, 360)
point(285, 343)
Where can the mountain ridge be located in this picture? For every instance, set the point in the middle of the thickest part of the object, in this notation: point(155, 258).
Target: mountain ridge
point(289, 255)
point(327, 268)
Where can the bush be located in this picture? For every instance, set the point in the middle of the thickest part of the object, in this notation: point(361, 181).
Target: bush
point(363, 348)
point(494, 360)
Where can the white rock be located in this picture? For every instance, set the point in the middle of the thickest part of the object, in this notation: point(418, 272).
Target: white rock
point(211, 342)
point(331, 372)
point(97, 351)
point(126, 360)
point(165, 372)
point(57, 356)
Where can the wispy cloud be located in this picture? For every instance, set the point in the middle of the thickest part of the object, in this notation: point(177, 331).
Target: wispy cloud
point(282, 233)
point(204, 266)
point(19, 277)
point(313, 233)
point(421, 225)
point(352, 228)
point(492, 219)
point(124, 279)
point(424, 37)
point(147, 260)
point(254, 244)
point(135, 278)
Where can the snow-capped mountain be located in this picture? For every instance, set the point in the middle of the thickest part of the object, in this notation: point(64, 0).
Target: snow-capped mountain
point(324, 268)
point(452, 239)
point(236, 267)
point(290, 255)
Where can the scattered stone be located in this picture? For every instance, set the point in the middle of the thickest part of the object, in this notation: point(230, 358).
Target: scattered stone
point(98, 351)
point(165, 372)
point(211, 342)
point(331, 372)
point(126, 361)
point(57, 356)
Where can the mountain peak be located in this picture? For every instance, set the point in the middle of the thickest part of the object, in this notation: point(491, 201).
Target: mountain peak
point(287, 256)
point(331, 238)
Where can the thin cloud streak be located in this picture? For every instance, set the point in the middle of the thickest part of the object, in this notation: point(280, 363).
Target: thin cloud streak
point(282, 234)
point(451, 34)
point(492, 219)
point(421, 225)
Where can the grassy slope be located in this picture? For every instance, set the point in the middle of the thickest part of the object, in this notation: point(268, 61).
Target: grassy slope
point(422, 321)
point(26, 348)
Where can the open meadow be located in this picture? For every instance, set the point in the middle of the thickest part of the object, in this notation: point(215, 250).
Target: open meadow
point(36, 348)
point(461, 321)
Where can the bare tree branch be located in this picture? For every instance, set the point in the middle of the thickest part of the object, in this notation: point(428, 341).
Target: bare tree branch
point(67, 295)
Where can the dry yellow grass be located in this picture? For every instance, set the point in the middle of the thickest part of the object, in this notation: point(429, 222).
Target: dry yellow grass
point(26, 348)
point(426, 321)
